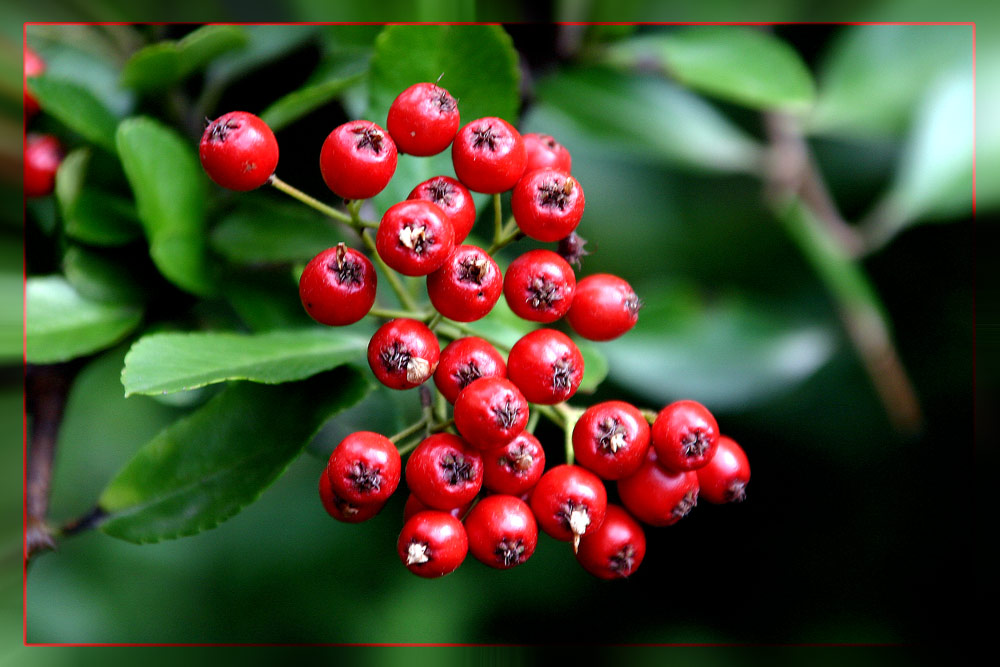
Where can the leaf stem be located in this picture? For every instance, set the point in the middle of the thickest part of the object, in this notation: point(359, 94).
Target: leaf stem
point(415, 427)
point(310, 201)
point(508, 235)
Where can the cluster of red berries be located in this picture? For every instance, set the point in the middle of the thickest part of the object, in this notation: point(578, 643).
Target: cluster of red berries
point(43, 153)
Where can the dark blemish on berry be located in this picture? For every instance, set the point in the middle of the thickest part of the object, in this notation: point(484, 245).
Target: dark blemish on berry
point(484, 136)
point(633, 304)
point(562, 374)
point(695, 443)
point(518, 461)
point(737, 492)
point(506, 415)
point(221, 130)
point(445, 102)
point(456, 468)
point(554, 194)
point(369, 138)
point(344, 507)
point(509, 552)
point(472, 270)
point(395, 357)
point(365, 479)
point(249, 166)
point(467, 374)
point(623, 561)
point(441, 191)
point(550, 142)
point(686, 504)
point(542, 293)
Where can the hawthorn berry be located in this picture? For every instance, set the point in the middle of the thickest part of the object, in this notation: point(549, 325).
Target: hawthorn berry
point(364, 468)
point(451, 197)
point(543, 151)
point(403, 353)
point(423, 119)
point(546, 365)
point(547, 204)
point(33, 66)
point(488, 155)
point(569, 502)
point(685, 435)
point(464, 361)
point(539, 286)
point(502, 531)
point(616, 549)
point(414, 505)
point(340, 509)
point(415, 237)
point(657, 496)
point(338, 286)
point(432, 544)
point(43, 154)
point(611, 439)
point(467, 286)
point(724, 478)
point(357, 160)
point(516, 467)
point(604, 307)
point(490, 412)
point(238, 151)
point(444, 471)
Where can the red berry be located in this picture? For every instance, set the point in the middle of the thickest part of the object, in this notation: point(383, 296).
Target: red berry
point(611, 439)
point(546, 365)
point(415, 237)
point(238, 151)
point(414, 505)
point(337, 287)
point(569, 502)
point(604, 307)
point(464, 361)
point(364, 468)
point(539, 286)
point(502, 531)
point(490, 412)
point(543, 151)
point(451, 197)
point(467, 285)
point(725, 477)
point(616, 549)
point(423, 119)
point(357, 160)
point(516, 467)
point(547, 204)
point(432, 544)
point(403, 353)
point(685, 435)
point(488, 155)
point(33, 66)
point(42, 156)
point(657, 496)
point(340, 509)
point(444, 471)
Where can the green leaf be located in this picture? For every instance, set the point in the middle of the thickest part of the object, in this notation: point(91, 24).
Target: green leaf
point(202, 46)
point(169, 362)
point(206, 467)
point(164, 63)
point(10, 317)
point(100, 278)
point(264, 230)
point(62, 325)
point(91, 215)
point(595, 366)
point(77, 108)
point(297, 104)
point(169, 189)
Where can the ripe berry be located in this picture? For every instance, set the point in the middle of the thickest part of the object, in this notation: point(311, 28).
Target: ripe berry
point(543, 151)
point(33, 66)
point(414, 505)
point(451, 197)
point(725, 477)
point(423, 119)
point(546, 365)
point(490, 412)
point(616, 549)
point(502, 531)
point(516, 467)
point(337, 287)
point(42, 156)
point(657, 496)
point(488, 155)
point(547, 204)
point(340, 509)
point(604, 307)
point(467, 285)
point(569, 502)
point(357, 160)
point(539, 286)
point(685, 435)
point(432, 544)
point(238, 151)
point(403, 353)
point(464, 361)
point(611, 439)
point(444, 471)
point(414, 237)
point(364, 468)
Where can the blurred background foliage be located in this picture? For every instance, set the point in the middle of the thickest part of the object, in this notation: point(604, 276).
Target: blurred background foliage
point(853, 530)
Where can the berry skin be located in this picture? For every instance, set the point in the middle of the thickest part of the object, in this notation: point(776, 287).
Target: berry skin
point(516, 467)
point(464, 361)
point(490, 412)
point(238, 151)
point(364, 468)
point(357, 160)
point(546, 365)
point(685, 435)
point(488, 155)
point(604, 307)
point(444, 472)
point(42, 156)
point(611, 439)
point(340, 509)
point(543, 151)
point(657, 496)
point(415, 237)
point(616, 549)
point(547, 204)
point(502, 531)
point(403, 353)
point(467, 285)
point(423, 119)
point(337, 287)
point(569, 502)
point(414, 505)
point(432, 544)
point(451, 197)
point(33, 66)
point(539, 286)
point(725, 477)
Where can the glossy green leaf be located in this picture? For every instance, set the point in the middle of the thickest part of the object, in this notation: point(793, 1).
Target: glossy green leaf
point(100, 278)
point(168, 362)
point(164, 63)
point(263, 230)
point(205, 468)
point(77, 108)
point(595, 366)
point(62, 325)
point(91, 215)
point(199, 47)
point(294, 105)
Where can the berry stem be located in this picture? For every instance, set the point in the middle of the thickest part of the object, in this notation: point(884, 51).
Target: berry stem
point(415, 427)
point(508, 235)
point(394, 282)
point(353, 220)
point(434, 321)
point(532, 421)
point(390, 314)
point(649, 415)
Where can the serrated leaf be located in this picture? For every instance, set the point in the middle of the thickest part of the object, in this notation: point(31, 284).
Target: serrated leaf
point(91, 215)
point(159, 65)
point(77, 108)
point(206, 467)
point(305, 100)
point(169, 362)
point(262, 230)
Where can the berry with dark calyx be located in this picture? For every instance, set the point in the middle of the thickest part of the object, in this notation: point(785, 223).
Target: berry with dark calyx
point(43, 154)
point(502, 531)
point(546, 365)
point(516, 467)
point(467, 286)
point(33, 66)
point(340, 509)
point(238, 151)
point(465, 360)
point(451, 197)
point(414, 505)
point(572, 250)
point(488, 155)
point(364, 468)
point(403, 353)
point(415, 237)
point(547, 204)
point(423, 119)
point(657, 496)
point(611, 439)
point(725, 477)
point(616, 549)
point(338, 286)
point(569, 503)
point(604, 307)
point(490, 412)
point(539, 286)
point(432, 544)
point(543, 151)
point(444, 471)
point(357, 160)
point(685, 435)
